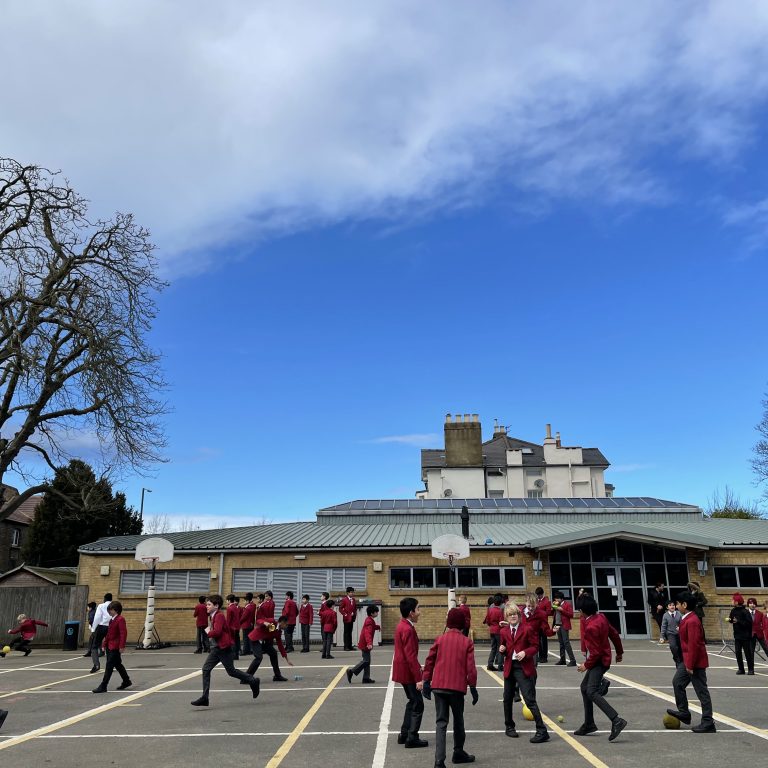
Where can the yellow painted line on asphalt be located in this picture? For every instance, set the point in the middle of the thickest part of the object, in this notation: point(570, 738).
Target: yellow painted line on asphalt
point(44, 685)
point(732, 721)
point(57, 726)
point(590, 757)
point(287, 745)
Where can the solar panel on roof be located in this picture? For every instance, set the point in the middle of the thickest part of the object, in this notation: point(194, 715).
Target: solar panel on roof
point(488, 503)
point(387, 504)
point(359, 504)
point(579, 503)
point(548, 503)
point(444, 504)
point(504, 503)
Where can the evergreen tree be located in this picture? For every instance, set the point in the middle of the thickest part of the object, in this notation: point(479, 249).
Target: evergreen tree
point(76, 508)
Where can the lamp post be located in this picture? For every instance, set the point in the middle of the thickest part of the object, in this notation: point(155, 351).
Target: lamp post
point(141, 509)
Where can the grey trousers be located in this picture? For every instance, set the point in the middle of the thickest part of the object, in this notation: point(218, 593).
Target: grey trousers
point(590, 695)
point(699, 679)
point(414, 710)
point(447, 703)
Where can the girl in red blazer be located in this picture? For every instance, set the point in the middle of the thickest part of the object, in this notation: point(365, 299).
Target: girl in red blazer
point(328, 622)
point(519, 647)
point(114, 645)
point(306, 620)
point(449, 669)
point(365, 644)
point(493, 616)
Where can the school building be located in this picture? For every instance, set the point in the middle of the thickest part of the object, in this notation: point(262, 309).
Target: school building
point(616, 547)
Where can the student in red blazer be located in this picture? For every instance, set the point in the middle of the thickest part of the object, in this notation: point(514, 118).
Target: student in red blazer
point(221, 651)
point(365, 644)
point(26, 631)
point(694, 667)
point(263, 636)
point(247, 621)
point(328, 624)
point(233, 622)
point(561, 624)
point(449, 669)
point(348, 611)
point(462, 605)
point(598, 648)
point(758, 634)
point(493, 616)
point(201, 622)
point(519, 647)
point(407, 671)
point(545, 605)
point(114, 645)
point(267, 608)
point(291, 612)
point(306, 620)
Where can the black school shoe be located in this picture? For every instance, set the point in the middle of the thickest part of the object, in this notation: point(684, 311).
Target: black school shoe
point(201, 702)
point(683, 717)
point(100, 689)
point(585, 729)
point(704, 728)
point(540, 736)
point(462, 757)
point(416, 743)
point(617, 726)
point(512, 733)
point(369, 681)
point(279, 679)
point(27, 651)
point(256, 687)
point(3, 715)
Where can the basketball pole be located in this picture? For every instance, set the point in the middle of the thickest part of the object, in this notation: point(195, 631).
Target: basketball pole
point(451, 583)
point(149, 621)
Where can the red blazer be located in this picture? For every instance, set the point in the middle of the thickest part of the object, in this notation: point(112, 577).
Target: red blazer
point(538, 620)
point(233, 617)
point(758, 625)
point(28, 628)
point(261, 631)
point(692, 642)
point(201, 615)
point(306, 614)
point(365, 641)
point(405, 663)
point(596, 639)
point(450, 664)
point(546, 605)
point(290, 610)
point(348, 609)
point(219, 631)
point(328, 619)
point(266, 610)
point(526, 639)
point(248, 616)
point(467, 615)
point(493, 616)
point(564, 615)
point(117, 634)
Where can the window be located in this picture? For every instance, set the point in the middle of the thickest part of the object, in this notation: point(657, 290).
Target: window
point(495, 494)
point(137, 582)
point(486, 578)
point(16, 537)
point(311, 581)
point(741, 577)
point(535, 494)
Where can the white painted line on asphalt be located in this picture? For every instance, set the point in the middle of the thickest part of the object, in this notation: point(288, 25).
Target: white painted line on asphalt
point(380, 755)
point(36, 666)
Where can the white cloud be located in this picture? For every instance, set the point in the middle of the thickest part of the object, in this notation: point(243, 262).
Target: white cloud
point(423, 440)
point(220, 124)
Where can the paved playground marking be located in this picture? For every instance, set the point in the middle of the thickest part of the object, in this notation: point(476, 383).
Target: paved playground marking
point(746, 727)
point(46, 729)
point(43, 686)
point(590, 757)
point(380, 755)
point(287, 745)
point(34, 666)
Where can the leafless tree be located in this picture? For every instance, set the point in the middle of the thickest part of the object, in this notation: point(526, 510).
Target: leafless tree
point(729, 504)
point(155, 524)
point(76, 302)
point(760, 461)
point(187, 524)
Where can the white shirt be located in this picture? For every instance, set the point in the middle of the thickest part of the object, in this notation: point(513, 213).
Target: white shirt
point(101, 617)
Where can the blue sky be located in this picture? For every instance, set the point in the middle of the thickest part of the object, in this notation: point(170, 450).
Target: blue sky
point(370, 217)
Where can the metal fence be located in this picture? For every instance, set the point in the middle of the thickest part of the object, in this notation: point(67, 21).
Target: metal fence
point(53, 605)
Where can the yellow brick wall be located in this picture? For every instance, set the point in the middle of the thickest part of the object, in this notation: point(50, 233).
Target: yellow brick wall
point(174, 612)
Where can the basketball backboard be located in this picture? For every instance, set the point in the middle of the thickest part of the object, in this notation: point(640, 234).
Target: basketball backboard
point(449, 546)
point(157, 549)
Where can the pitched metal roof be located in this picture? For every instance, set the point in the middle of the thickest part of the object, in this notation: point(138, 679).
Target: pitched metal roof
point(693, 532)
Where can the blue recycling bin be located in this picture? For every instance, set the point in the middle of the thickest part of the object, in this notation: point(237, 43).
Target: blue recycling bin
point(71, 635)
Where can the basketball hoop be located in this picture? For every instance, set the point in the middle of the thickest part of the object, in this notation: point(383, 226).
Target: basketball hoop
point(151, 552)
point(451, 548)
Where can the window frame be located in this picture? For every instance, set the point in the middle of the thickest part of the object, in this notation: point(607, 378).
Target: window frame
point(479, 569)
point(759, 567)
point(161, 582)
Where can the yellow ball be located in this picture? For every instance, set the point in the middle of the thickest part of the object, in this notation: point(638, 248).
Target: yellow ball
point(527, 714)
point(560, 719)
point(670, 722)
point(6, 649)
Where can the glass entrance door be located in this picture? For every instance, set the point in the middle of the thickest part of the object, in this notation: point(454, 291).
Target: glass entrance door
point(620, 595)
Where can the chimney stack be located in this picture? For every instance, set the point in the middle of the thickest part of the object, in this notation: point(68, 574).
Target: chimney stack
point(557, 439)
point(463, 441)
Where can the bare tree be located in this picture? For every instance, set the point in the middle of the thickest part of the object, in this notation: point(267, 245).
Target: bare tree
point(76, 301)
point(155, 524)
point(187, 524)
point(730, 505)
point(760, 461)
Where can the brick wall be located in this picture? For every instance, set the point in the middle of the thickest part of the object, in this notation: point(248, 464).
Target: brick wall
point(174, 611)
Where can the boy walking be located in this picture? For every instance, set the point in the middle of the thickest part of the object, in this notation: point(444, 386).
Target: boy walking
point(221, 651)
point(306, 620)
point(742, 635)
point(448, 670)
point(693, 669)
point(670, 631)
point(407, 671)
point(519, 647)
point(598, 662)
point(365, 644)
point(114, 645)
point(561, 624)
point(201, 622)
point(101, 621)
